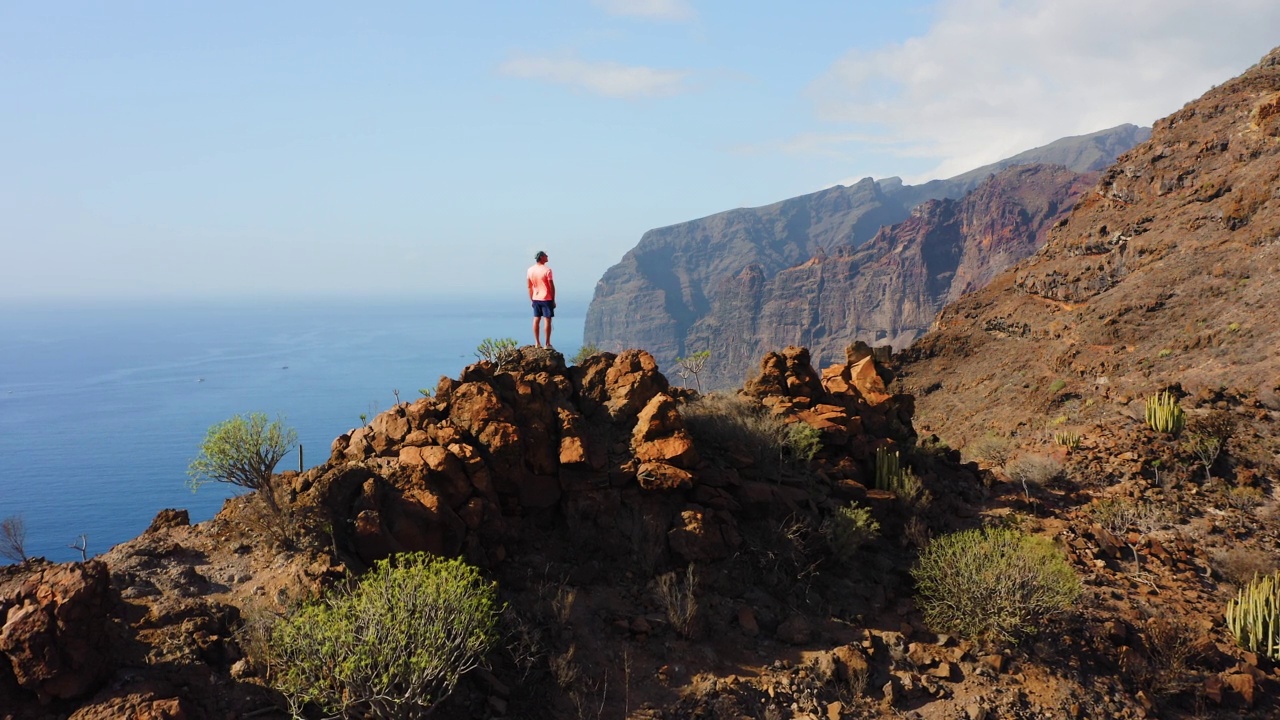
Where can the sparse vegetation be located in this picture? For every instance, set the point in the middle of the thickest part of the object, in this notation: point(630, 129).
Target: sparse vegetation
point(244, 451)
point(1035, 471)
point(680, 597)
point(499, 351)
point(1253, 616)
point(1164, 415)
point(1120, 514)
point(992, 450)
point(13, 538)
point(1207, 436)
point(848, 529)
point(583, 353)
point(993, 584)
point(803, 441)
point(1067, 439)
point(1056, 386)
point(740, 427)
point(393, 646)
point(1239, 565)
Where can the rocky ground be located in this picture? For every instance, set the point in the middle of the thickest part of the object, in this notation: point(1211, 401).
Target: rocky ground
point(584, 491)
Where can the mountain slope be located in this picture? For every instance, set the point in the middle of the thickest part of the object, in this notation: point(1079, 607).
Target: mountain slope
point(890, 289)
point(1163, 274)
point(668, 282)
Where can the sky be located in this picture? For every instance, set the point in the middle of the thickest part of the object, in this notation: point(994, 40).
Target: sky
point(167, 150)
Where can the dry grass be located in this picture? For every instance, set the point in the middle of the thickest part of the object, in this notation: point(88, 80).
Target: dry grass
point(1239, 565)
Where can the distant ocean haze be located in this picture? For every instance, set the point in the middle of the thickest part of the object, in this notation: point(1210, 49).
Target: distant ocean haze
point(103, 407)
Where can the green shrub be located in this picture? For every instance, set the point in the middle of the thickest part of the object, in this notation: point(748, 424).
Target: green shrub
point(1254, 616)
point(392, 646)
point(993, 583)
point(499, 351)
point(803, 441)
point(1056, 386)
point(891, 476)
point(243, 451)
point(848, 529)
point(583, 353)
point(1164, 415)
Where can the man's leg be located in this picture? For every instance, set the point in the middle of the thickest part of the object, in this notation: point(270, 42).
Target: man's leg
point(548, 332)
point(537, 327)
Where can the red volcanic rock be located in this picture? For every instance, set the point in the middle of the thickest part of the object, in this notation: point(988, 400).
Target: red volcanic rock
point(54, 635)
point(135, 706)
point(661, 476)
point(168, 519)
point(703, 535)
point(660, 435)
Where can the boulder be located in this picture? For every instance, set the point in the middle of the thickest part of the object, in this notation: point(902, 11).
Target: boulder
point(54, 635)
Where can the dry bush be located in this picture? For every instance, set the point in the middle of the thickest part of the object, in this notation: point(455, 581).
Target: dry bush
point(991, 450)
point(1165, 665)
point(739, 426)
point(679, 596)
point(1036, 471)
point(1244, 498)
point(1239, 565)
point(13, 538)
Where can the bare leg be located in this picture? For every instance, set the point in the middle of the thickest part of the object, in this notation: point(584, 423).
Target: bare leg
point(537, 326)
point(548, 342)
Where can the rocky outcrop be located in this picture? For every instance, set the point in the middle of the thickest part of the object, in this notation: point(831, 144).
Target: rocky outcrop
point(462, 471)
point(54, 636)
point(660, 295)
point(889, 290)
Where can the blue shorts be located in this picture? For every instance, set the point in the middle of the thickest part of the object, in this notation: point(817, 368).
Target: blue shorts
point(544, 308)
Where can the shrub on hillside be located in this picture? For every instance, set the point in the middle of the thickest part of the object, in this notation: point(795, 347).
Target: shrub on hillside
point(991, 450)
point(736, 425)
point(848, 529)
point(992, 584)
point(392, 646)
point(1035, 471)
point(499, 351)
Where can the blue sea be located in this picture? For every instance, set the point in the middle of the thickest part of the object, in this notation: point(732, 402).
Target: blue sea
point(102, 407)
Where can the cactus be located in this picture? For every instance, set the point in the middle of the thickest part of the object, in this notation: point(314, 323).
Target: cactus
point(1066, 439)
point(1254, 614)
point(891, 476)
point(1164, 415)
point(887, 468)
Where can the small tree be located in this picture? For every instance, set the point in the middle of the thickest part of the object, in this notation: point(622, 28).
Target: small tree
point(693, 365)
point(243, 451)
point(393, 646)
point(13, 538)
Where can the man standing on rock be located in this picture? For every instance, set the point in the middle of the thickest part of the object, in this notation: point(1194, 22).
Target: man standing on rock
point(542, 292)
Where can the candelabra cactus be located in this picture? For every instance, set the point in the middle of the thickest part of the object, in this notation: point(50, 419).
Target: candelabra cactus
point(1254, 614)
point(1164, 415)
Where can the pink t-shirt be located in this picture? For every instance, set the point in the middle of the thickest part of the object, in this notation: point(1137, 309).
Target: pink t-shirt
point(540, 282)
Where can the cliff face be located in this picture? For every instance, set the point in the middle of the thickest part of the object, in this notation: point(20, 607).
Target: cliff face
point(889, 290)
point(661, 289)
point(1162, 275)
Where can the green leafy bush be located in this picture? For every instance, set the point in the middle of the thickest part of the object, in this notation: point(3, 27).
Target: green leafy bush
point(243, 451)
point(499, 351)
point(848, 529)
point(803, 441)
point(992, 583)
point(1056, 386)
point(392, 646)
point(583, 353)
point(1253, 616)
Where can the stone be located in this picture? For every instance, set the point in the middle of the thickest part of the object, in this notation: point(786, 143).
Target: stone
point(55, 628)
point(660, 476)
point(1243, 685)
point(747, 621)
point(795, 630)
point(166, 519)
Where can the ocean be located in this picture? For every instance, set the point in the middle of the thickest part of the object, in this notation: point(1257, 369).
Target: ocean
point(102, 407)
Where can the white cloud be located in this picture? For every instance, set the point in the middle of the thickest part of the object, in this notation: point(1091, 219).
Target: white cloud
point(609, 79)
point(672, 10)
point(991, 78)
